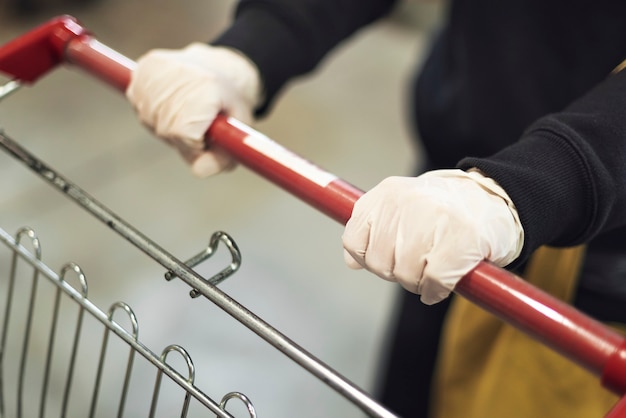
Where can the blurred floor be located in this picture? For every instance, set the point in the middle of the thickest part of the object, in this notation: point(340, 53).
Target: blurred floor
point(347, 117)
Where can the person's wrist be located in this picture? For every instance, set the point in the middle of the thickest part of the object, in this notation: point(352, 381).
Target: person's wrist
point(255, 82)
point(494, 188)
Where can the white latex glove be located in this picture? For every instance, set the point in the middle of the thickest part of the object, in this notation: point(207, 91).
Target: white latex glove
point(427, 232)
point(178, 93)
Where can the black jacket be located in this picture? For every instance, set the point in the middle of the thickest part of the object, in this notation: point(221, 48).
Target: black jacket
point(520, 89)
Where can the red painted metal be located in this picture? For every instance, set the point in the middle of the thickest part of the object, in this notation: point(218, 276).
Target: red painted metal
point(33, 54)
point(100, 61)
point(615, 370)
point(573, 334)
point(329, 194)
point(619, 410)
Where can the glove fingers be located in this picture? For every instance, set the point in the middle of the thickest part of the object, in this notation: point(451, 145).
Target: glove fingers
point(412, 255)
point(439, 277)
point(178, 93)
point(212, 162)
point(144, 80)
point(371, 244)
point(464, 250)
point(355, 237)
point(380, 255)
point(350, 261)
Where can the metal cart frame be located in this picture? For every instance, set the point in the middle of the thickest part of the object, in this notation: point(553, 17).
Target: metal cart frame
point(585, 341)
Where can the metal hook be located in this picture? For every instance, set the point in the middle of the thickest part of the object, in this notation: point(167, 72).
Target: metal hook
point(190, 378)
point(30, 233)
point(208, 252)
point(103, 351)
point(191, 370)
point(243, 398)
point(79, 273)
point(134, 323)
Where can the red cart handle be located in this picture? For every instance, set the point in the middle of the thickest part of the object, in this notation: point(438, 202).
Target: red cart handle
point(556, 324)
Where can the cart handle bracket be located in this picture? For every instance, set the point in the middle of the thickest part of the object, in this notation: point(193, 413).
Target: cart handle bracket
point(211, 248)
point(29, 57)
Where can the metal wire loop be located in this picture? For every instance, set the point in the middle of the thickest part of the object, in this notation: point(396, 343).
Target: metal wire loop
point(243, 398)
point(103, 350)
point(52, 382)
point(79, 272)
point(131, 315)
point(30, 233)
point(190, 378)
point(216, 279)
point(51, 342)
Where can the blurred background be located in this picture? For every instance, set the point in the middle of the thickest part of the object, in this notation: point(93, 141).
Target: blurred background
point(347, 117)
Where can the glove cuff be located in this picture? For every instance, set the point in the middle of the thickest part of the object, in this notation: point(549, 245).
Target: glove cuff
point(489, 185)
point(493, 187)
point(233, 65)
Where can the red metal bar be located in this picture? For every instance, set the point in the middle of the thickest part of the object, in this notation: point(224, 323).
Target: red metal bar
point(573, 334)
point(33, 54)
point(320, 189)
point(619, 410)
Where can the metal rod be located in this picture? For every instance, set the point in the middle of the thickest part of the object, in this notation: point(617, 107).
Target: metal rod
point(9, 88)
point(27, 329)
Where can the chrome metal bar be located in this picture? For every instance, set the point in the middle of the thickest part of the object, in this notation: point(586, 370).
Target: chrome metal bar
point(9, 88)
point(48, 364)
point(77, 332)
point(8, 310)
point(29, 319)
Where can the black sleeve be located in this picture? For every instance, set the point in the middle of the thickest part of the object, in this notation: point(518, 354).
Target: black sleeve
point(287, 38)
point(567, 174)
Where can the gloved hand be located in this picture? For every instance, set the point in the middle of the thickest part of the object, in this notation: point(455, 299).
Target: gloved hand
point(178, 93)
point(427, 232)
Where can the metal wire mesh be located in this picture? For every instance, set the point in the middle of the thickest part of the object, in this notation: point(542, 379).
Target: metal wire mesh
point(200, 286)
point(48, 332)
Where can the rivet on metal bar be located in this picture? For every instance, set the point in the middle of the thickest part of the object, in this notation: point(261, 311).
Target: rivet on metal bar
point(9, 88)
point(208, 252)
point(243, 398)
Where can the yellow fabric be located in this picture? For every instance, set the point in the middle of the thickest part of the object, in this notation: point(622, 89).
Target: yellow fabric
point(489, 369)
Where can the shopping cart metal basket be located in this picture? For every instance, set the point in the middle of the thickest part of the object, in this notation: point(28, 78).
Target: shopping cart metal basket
point(583, 340)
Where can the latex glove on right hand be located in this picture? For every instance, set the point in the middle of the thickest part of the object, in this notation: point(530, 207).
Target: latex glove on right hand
point(427, 232)
point(178, 93)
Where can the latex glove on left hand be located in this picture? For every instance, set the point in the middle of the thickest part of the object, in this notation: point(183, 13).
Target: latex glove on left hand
point(427, 232)
point(177, 93)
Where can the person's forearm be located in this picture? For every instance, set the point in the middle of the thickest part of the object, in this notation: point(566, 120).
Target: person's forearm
point(287, 38)
point(566, 173)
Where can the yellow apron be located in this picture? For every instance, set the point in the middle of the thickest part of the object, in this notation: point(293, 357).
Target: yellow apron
point(489, 369)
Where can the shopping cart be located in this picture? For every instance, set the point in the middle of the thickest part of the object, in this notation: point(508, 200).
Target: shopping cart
point(583, 340)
